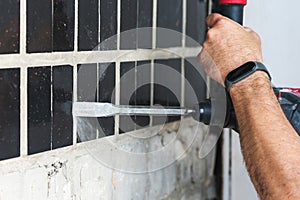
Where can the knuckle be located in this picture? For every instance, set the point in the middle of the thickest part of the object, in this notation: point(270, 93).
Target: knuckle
point(211, 34)
point(222, 21)
point(256, 37)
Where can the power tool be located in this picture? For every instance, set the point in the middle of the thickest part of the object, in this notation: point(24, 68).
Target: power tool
point(288, 98)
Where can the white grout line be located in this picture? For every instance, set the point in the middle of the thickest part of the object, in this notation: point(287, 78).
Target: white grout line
point(76, 26)
point(118, 23)
point(74, 64)
point(70, 58)
point(23, 112)
point(135, 88)
point(117, 68)
point(117, 96)
point(182, 102)
point(184, 6)
point(184, 16)
point(154, 26)
point(23, 82)
point(74, 100)
point(51, 81)
point(98, 65)
point(151, 89)
point(23, 27)
point(97, 91)
point(51, 107)
point(99, 24)
point(135, 63)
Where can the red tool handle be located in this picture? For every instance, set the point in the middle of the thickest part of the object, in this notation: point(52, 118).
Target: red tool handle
point(240, 2)
point(233, 9)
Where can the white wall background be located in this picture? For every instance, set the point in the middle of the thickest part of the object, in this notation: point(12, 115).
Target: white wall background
point(277, 23)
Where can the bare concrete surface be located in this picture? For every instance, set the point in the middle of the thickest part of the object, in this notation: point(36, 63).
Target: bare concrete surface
point(77, 173)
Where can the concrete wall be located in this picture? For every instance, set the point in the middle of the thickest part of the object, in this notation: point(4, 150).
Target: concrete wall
point(79, 172)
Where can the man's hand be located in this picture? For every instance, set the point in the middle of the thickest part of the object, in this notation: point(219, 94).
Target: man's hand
point(270, 145)
point(229, 45)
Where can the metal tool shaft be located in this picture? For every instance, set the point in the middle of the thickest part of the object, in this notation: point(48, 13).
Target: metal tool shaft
point(95, 109)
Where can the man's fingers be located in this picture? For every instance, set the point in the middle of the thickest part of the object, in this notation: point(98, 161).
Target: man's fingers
point(212, 19)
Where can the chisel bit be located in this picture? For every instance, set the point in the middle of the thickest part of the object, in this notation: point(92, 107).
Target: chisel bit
point(95, 109)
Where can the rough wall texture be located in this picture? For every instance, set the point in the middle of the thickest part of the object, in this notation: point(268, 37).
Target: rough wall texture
point(76, 173)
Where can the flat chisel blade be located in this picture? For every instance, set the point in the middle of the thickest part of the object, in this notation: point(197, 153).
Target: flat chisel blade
point(95, 109)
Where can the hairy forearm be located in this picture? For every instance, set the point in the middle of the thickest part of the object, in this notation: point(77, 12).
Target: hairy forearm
point(270, 146)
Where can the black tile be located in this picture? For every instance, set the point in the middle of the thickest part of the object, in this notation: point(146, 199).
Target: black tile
point(108, 24)
point(195, 22)
point(62, 127)
point(87, 82)
point(10, 113)
point(106, 94)
point(107, 83)
point(167, 86)
point(127, 82)
point(63, 25)
point(127, 94)
point(145, 13)
point(128, 15)
point(39, 26)
point(86, 92)
point(39, 109)
point(88, 24)
point(143, 79)
point(195, 86)
point(169, 16)
point(145, 18)
point(143, 91)
point(9, 26)
point(128, 24)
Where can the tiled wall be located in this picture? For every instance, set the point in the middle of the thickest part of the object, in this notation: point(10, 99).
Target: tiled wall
point(43, 45)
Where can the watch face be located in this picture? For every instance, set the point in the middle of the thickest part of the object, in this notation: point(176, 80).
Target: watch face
point(244, 69)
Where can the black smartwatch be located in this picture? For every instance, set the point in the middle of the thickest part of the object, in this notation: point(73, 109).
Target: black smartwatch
point(243, 72)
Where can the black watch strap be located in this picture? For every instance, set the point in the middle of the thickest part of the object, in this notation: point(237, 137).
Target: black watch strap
point(243, 72)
